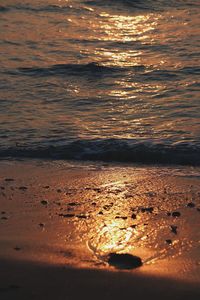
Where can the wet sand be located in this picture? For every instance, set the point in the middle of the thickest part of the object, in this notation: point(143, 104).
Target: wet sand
point(59, 221)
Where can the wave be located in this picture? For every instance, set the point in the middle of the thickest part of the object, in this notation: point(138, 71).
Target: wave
point(48, 8)
point(110, 150)
point(139, 72)
point(66, 69)
point(154, 5)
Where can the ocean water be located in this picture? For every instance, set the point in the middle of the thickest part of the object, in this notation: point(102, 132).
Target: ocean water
point(100, 80)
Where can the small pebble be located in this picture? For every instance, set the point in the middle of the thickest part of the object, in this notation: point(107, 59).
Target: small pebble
point(67, 215)
point(174, 229)
point(169, 242)
point(81, 216)
point(176, 214)
point(23, 188)
point(121, 217)
point(133, 226)
point(17, 248)
point(9, 179)
point(147, 209)
point(72, 204)
point(134, 216)
point(191, 204)
point(44, 202)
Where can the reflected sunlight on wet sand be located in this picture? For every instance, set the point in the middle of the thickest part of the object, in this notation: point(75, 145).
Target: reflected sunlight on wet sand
point(72, 216)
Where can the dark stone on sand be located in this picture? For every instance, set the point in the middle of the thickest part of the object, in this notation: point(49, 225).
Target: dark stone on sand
point(107, 207)
point(176, 214)
point(82, 216)
point(41, 224)
point(4, 218)
point(169, 242)
point(2, 188)
point(100, 213)
point(134, 216)
point(9, 179)
point(94, 203)
point(174, 229)
point(191, 204)
point(23, 188)
point(168, 214)
point(44, 202)
point(72, 204)
point(17, 248)
point(133, 226)
point(59, 191)
point(121, 217)
point(147, 209)
point(3, 212)
point(198, 208)
point(98, 190)
point(46, 187)
point(67, 215)
point(124, 261)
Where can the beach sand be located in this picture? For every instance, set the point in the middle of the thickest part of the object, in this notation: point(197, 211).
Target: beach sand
point(60, 220)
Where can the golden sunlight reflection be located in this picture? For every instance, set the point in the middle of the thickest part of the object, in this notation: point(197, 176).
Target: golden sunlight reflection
point(128, 28)
point(110, 238)
point(130, 31)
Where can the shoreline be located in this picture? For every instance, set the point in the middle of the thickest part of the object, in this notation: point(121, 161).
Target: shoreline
point(61, 219)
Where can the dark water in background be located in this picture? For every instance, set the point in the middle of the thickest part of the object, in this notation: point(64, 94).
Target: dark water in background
point(111, 80)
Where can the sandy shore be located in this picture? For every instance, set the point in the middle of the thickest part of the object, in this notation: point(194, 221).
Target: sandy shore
point(59, 221)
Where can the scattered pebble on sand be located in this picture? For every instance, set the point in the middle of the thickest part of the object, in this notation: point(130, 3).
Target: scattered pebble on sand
point(73, 204)
point(147, 209)
point(67, 215)
point(134, 216)
point(23, 188)
point(9, 179)
point(174, 229)
point(169, 241)
point(44, 202)
point(191, 204)
point(17, 248)
point(176, 214)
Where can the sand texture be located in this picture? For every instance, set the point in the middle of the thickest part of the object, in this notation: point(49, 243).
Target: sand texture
point(60, 221)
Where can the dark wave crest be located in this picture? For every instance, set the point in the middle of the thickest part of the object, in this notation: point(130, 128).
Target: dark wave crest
point(154, 5)
point(139, 72)
point(134, 151)
point(67, 69)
